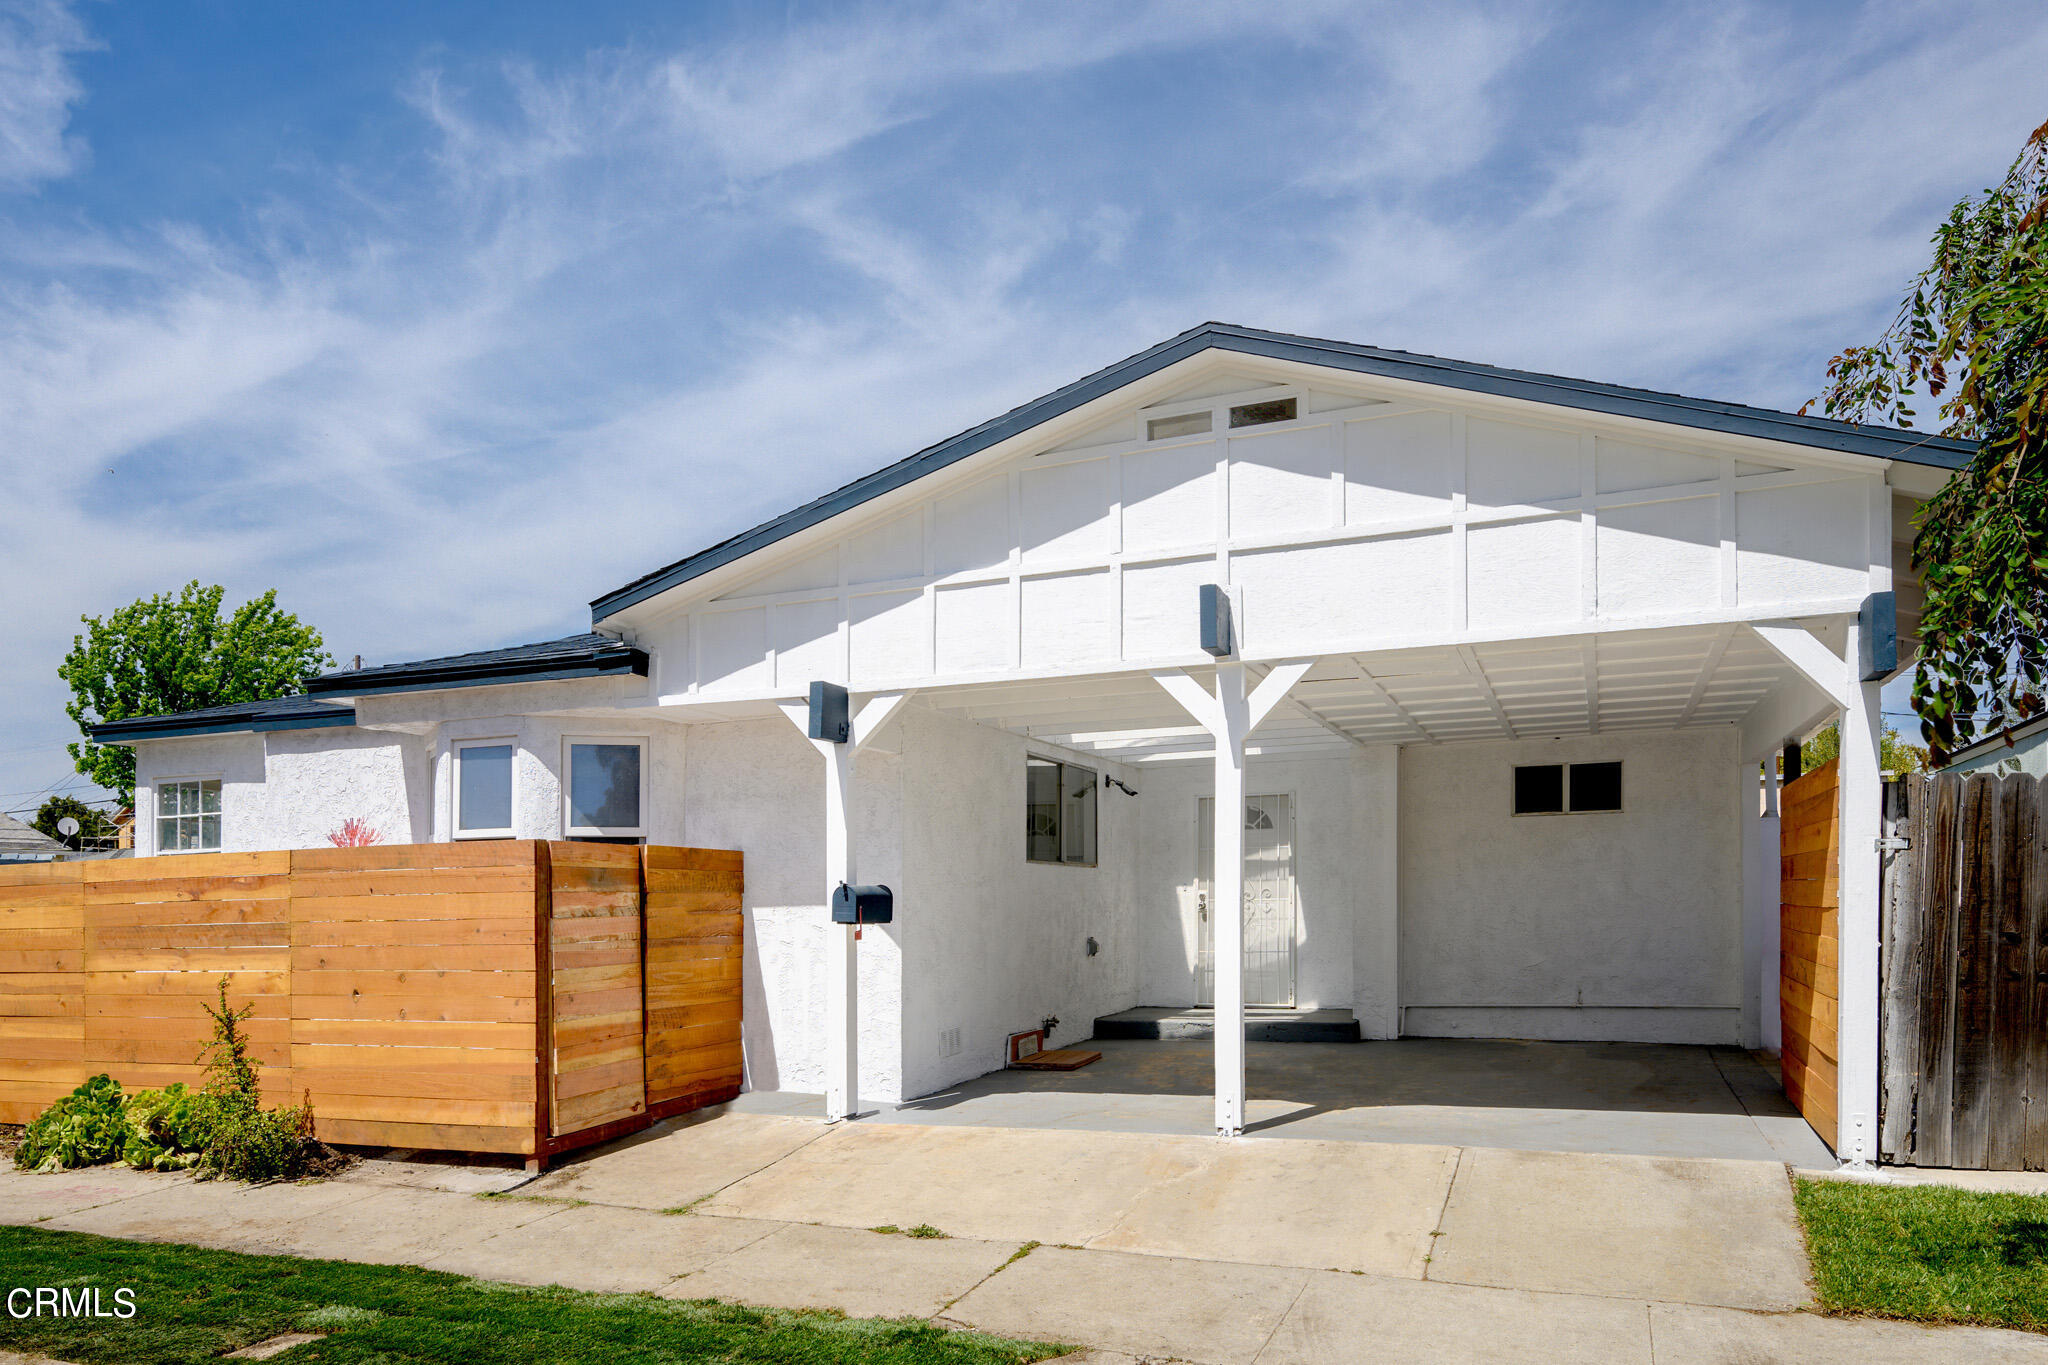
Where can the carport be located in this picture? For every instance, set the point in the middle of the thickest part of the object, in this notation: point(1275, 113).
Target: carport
point(1641, 1099)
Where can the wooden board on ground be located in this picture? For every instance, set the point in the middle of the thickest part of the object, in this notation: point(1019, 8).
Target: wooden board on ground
point(1058, 1059)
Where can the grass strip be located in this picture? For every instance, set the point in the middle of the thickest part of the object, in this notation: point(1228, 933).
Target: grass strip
point(1928, 1253)
point(195, 1305)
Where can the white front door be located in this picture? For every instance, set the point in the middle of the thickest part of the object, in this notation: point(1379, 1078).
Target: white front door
point(1268, 900)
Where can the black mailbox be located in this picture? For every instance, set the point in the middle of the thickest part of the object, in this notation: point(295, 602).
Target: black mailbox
point(863, 905)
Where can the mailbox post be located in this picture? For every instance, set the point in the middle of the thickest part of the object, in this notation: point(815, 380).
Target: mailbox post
point(836, 731)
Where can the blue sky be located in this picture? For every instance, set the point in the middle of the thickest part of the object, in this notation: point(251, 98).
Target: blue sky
point(445, 318)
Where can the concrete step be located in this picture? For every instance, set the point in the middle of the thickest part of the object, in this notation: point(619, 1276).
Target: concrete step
point(1262, 1024)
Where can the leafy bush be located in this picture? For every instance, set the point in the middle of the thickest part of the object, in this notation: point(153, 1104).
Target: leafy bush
point(85, 1128)
point(223, 1129)
point(168, 1129)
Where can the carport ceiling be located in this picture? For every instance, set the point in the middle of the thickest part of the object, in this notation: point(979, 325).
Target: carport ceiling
point(1524, 689)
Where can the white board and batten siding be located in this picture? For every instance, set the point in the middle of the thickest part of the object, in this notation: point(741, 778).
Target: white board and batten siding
point(1357, 526)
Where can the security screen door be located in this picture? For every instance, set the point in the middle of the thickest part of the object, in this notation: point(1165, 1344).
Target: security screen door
point(1268, 900)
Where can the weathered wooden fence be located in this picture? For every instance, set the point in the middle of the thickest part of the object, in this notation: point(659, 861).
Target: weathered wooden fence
point(400, 986)
point(1965, 1034)
point(1809, 838)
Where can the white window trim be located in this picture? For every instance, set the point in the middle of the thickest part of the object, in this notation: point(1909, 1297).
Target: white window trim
point(638, 831)
point(156, 787)
point(455, 748)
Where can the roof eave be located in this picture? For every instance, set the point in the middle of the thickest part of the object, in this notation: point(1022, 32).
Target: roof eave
point(163, 727)
point(625, 663)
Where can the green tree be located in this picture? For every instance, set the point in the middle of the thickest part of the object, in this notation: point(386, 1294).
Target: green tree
point(1974, 327)
point(163, 654)
point(1895, 755)
point(93, 823)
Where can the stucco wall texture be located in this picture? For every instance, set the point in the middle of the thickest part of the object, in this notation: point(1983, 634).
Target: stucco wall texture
point(1623, 925)
point(1425, 905)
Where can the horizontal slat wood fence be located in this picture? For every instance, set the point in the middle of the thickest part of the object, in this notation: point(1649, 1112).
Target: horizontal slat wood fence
point(1965, 1030)
point(474, 997)
point(1809, 837)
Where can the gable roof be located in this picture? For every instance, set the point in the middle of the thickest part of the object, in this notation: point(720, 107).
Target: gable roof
point(2014, 739)
point(277, 713)
point(1886, 443)
point(588, 655)
point(21, 840)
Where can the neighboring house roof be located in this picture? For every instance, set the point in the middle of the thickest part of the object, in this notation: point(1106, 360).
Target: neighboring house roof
point(278, 713)
point(1986, 752)
point(1885, 443)
point(19, 840)
point(574, 656)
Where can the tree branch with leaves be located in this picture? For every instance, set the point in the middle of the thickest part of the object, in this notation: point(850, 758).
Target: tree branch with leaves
point(165, 654)
point(1973, 334)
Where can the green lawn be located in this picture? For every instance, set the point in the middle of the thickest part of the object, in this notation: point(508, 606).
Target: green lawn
point(194, 1305)
point(1928, 1253)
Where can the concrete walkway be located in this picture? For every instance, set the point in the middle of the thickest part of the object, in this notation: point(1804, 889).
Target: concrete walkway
point(1157, 1246)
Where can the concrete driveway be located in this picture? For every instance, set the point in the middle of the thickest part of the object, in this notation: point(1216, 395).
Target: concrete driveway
point(1190, 1248)
point(1645, 1099)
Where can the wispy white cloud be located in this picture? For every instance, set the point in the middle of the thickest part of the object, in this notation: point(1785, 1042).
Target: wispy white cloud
point(606, 307)
point(37, 90)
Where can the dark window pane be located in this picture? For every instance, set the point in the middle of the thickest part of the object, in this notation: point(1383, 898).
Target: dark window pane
point(1041, 810)
point(1258, 414)
point(604, 786)
point(483, 775)
point(1077, 814)
point(1539, 790)
point(1596, 786)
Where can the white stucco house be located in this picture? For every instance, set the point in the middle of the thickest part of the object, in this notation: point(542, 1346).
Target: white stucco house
point(1499, 657)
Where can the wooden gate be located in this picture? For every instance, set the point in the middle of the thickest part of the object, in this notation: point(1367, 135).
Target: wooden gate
point(1965, 974)
point(1809, 839)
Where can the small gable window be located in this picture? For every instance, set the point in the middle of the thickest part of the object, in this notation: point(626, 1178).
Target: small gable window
point(1258, 414)
point(1567, 788)
point(1187, 424)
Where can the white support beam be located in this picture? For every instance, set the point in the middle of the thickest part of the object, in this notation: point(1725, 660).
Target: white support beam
point(1230, 717)
point(1380, 693)
point(1707, 670)
point(874, 715)
point(1589, 661)
point(1469, 658)
point(842, 963)
point(1310, 713)
point(1861, 798)
point(1820, 665)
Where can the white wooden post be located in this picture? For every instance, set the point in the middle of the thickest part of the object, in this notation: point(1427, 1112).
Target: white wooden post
point(1230, 717)
point(1859, 922)
point(842, 959)
point(1769, 967)
point(1228, 910)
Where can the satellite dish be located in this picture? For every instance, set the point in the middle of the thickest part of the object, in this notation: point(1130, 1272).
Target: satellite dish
point(68, 826)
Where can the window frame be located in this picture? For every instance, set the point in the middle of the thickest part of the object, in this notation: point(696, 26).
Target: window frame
point(1565, 806)
point(639, 831)
point(1059, 833)
point(156, 798)
point(455, 752)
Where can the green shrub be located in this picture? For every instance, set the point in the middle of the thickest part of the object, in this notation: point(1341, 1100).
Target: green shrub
point(223, 1129)
point(168, 1129)
point(86, 1127)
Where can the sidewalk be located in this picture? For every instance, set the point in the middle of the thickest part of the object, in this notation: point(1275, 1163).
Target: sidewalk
point(1227, 1253)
